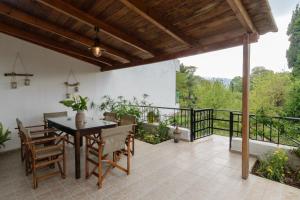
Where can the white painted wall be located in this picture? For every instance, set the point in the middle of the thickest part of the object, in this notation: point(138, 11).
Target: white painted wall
point(50, 71)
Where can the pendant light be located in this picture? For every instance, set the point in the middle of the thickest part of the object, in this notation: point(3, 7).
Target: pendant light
point(96, 49)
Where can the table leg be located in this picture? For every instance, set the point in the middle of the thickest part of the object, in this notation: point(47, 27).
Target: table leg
point(81, 141)
point(77, 155)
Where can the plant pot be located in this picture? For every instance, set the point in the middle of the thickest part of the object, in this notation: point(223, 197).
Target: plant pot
point(80, 119)
point(176, 134)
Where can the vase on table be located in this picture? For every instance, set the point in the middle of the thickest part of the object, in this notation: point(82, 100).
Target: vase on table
point(80, 119)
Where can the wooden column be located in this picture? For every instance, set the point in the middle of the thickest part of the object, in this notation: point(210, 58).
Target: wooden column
point(245, 107)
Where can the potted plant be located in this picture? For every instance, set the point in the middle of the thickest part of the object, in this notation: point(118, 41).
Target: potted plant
point(79, 104)
point(4, 135)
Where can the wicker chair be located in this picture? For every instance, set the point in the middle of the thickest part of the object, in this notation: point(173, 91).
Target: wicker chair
point(129, 120)
point(44, 152)
point(112, 143)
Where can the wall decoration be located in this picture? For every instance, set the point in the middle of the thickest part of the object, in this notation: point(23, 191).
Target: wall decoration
point(74, 84)
point(13, 74)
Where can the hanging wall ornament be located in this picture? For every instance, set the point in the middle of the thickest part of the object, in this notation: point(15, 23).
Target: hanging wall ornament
point(13, 82)
point(74, 84)
point(13, 74)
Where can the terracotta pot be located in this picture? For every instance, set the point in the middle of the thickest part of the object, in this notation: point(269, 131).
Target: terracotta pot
point(80, 119)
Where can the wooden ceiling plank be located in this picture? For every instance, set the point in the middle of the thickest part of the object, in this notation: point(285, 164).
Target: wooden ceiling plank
point(50, 27)
point(157, 20)
point(195, 50)
point(75, 13)
point(242, 15)
point(51, 44)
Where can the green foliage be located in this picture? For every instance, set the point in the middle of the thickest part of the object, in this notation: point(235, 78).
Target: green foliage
point(186, 86)
point(122, 106)
point(297, 151)
point(236, 84)
point(153, 116)
point(269, 92)
point(293, 58)
point(4, 135)
point(273, 166)
point(77, 103)
point(293, 53)
point(154, 135)
point(293, 103)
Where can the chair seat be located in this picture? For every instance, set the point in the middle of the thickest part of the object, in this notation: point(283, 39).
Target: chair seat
point(46, 154)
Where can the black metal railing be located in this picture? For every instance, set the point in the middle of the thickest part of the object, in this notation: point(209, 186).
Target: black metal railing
point(205, 122)
point(277, 130)
point(175, 116)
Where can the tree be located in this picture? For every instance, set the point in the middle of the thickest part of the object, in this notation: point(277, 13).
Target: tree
point(293, 53)
point(293, 58)
point(236, 84)
point(185, 85)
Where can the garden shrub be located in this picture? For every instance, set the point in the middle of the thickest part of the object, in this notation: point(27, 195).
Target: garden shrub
point(273, 166)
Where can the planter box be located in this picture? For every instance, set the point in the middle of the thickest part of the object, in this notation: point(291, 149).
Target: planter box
point(185, 132)
point(257, 148)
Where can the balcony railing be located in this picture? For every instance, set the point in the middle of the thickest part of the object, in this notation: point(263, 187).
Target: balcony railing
point(205, 122)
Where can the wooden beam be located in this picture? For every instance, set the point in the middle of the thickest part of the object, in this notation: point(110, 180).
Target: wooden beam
point(245, 107)
point(71, 11)
point(50, 27)
point(242, 15)
point(226, 43)
point(157, 20)
point(53, 45)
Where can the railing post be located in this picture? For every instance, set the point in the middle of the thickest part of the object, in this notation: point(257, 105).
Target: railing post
point(192, 124)
point(212, 121)
point(230, 129)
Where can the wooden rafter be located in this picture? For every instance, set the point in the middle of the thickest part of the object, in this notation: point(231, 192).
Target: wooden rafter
point(195, 50)
point(56, 46)
point(53, 28)
point(156, 19)
point(75, 13)
point(242, 15)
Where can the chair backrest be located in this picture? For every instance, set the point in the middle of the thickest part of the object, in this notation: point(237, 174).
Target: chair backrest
point(23, 132)
point(110, 116)
point(114, 138)
point(19, 124)
point(127, 120)
point(54, 115)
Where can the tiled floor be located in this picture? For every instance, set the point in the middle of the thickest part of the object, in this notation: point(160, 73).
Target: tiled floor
point(200, 170)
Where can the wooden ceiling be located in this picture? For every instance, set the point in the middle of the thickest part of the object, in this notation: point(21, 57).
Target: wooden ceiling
point(135, 32)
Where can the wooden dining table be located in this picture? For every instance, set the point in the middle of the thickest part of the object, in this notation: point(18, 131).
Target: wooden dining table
point(68, 125)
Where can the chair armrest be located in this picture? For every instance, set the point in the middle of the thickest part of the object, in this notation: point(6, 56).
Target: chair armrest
point(48, 139)
point(43, 131)
point(34, 126)
point(49, 148)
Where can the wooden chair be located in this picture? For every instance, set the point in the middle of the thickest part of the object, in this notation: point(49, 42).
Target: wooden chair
point(55, 115)
point(36, 134)
point(110, 116)
point(112, 143)
point(129, 120)
point(45, 152)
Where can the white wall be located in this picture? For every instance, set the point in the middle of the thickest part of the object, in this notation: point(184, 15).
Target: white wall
point(50, 71)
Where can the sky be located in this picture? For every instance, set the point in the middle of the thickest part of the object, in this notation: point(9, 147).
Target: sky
point(269, 51)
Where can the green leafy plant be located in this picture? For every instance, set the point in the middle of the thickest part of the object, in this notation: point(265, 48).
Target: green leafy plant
point(153, 116)
point(163, 131)
point(4, 135)
point(122, 106)
point(77, 103)
point(273, 166)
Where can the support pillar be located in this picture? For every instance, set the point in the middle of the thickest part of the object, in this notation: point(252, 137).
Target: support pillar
point(245, 107)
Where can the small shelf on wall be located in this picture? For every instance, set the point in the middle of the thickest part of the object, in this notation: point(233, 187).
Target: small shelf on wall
point(15, 74)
